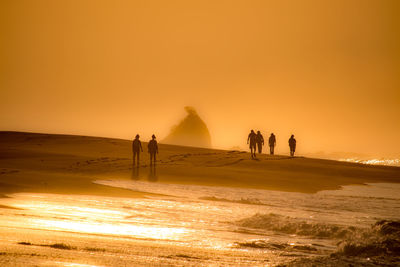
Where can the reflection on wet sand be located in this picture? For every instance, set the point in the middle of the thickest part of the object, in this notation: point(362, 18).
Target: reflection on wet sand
point(152, 173)
point(135, 173)
point(152, 177)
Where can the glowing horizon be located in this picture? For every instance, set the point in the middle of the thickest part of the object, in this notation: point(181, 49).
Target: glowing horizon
point(326, 72)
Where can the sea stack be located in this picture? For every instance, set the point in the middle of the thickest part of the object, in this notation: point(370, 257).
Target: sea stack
point(191, 131)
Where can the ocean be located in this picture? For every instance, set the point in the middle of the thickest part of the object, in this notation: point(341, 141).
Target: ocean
point(278, 227)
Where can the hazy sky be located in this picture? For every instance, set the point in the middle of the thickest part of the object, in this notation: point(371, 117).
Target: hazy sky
point(326, 71)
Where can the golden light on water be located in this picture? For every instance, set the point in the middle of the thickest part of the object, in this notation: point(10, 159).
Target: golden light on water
point(137, 231)
point(71, 264)
point(389, 162)
point(189, 223)
point(58, 214)
point(287, 222)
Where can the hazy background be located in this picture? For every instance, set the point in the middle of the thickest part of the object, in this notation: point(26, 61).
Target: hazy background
point(326, 71)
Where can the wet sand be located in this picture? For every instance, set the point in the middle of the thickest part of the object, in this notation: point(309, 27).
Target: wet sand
point(62, 164)
point(68, 164)
point(39, 248)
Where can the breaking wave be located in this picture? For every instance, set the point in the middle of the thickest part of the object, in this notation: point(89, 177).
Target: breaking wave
point(377, 246)
point(251, 201)
point(386, 162)
point(288, 225)
point(383, 239)
point(275, 246)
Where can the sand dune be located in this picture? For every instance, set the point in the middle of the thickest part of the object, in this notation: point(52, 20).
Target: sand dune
point(31, 162)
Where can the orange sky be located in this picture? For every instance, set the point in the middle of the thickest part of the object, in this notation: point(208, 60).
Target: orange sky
point(326, 71)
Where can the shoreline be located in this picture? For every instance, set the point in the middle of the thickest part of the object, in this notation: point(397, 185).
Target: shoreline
point(47, 163)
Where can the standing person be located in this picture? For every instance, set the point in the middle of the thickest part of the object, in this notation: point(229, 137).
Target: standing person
point(136, 148)
point(292, 145)
point(152, 148)
point(259, 141)
point(252, 139)
point(272, 143)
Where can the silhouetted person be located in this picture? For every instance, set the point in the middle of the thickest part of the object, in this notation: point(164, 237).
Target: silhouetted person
point(259, 141)
point(272, 143)
point(136, 149)
point(292, 145)
point(152, 148)
point(251, 139)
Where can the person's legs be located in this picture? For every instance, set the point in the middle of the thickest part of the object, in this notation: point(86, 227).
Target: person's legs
point(152, 158)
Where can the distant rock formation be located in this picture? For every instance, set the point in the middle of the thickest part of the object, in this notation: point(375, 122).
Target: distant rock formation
point(191, 131)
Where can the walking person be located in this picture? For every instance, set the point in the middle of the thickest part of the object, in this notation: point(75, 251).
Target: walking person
point(292, 145)
point(259, 141)
point(152, 148)
point(272, 143)
point(136, 149)
point(251, 139)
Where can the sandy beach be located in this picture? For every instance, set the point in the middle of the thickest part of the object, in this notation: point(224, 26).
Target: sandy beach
point(47, 166)
point(68, 164)
point(208, 84)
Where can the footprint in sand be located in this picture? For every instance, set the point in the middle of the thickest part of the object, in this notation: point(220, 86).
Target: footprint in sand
point(8, 171)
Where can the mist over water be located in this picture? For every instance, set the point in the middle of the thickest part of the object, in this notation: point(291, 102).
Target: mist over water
point(263, 65)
